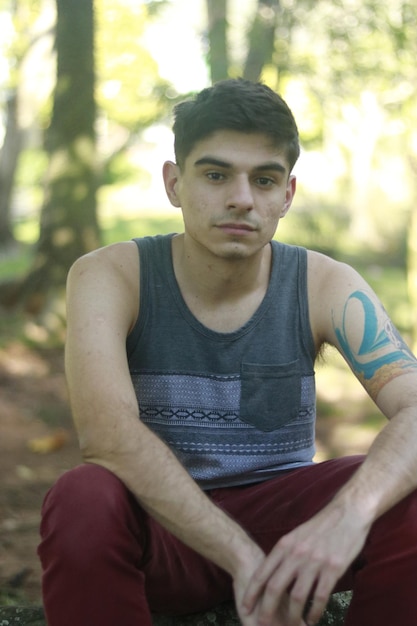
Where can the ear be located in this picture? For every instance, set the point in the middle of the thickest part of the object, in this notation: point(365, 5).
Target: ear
point(171, 174)
point(289, 194)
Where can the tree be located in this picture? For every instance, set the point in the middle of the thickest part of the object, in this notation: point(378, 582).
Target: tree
point(218, 52)
point(260, 39)
point(9, 153)
point(130, 94)
point(24, 27)
point(68, 226)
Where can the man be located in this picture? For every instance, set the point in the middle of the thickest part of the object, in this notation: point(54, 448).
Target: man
point(189, 361)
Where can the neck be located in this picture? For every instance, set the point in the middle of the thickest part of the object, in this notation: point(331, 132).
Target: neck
point(223, 294)
point(212, 278)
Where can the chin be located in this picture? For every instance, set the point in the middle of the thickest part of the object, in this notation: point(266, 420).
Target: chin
point(235, 251)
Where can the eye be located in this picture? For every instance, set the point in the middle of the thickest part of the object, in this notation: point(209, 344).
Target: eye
point(215, 176)
point(265, 181)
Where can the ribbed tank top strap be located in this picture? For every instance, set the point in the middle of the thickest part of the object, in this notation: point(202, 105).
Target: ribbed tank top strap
point(293, 262)
point(154, 260)
point(306, 334)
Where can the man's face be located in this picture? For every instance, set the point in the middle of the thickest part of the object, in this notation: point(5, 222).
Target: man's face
point(233, 190)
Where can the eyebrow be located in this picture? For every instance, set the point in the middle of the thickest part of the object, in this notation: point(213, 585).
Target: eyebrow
point(269, 165)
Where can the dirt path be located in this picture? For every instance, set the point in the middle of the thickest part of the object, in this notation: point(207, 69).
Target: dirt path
point(37, 444)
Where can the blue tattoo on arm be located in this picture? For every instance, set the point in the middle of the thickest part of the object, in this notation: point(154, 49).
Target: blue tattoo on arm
point(376, 337)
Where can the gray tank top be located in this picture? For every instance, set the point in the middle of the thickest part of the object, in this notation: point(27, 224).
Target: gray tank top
point(235, 407)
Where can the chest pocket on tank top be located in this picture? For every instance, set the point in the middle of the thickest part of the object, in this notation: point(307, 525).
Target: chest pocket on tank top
point(270, 394)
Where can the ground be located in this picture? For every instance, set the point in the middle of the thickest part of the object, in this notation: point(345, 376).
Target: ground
point(38, 443)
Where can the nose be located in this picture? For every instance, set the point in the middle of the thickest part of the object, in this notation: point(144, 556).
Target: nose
point(240, 194)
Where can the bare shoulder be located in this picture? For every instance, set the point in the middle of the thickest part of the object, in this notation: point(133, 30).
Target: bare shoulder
point(101, 280)
point(330, 283)
point(119, 259)
point(325, 270)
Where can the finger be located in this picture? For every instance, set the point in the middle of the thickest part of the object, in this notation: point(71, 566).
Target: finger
point(276, 618)
point(319, 599)
point(299, 597)
point(259, 579)
point(275, 599)
point(248, 620)
point(252, 593)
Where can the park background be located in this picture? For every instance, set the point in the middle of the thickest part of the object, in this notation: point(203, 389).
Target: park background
point(86, 95)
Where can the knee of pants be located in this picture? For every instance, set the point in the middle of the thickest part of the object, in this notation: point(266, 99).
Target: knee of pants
point(396, 530)
point(87, 509)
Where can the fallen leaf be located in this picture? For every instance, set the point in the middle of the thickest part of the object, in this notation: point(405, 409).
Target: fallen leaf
point(48, 443)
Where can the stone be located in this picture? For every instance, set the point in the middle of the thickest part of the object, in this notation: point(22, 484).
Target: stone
point(22, 616)
point(223, 615)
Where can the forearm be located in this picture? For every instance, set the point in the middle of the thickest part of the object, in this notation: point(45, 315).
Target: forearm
point(166, 491)
point(314, 555)
point(389, 472)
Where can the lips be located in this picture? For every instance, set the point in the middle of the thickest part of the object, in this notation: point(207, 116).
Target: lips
point(236, 227)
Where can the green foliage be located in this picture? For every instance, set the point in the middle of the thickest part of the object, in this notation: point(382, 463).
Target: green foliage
point(390, 283)
point(328, 57)
point(119, 169)
point(117, 229)
point(31, 168)
point(129, 92)
point(11, 329)
point(317, 226)
point(15, 263)
point(348, 71)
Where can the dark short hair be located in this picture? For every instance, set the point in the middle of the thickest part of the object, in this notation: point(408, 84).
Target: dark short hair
point(235, 104)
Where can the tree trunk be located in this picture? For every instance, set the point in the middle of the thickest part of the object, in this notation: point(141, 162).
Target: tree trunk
point(8, 162)
point(261, 38)
point(68, 225)
point(217, 37)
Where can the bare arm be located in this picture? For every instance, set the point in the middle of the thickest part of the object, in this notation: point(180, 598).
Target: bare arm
point(346, 313)
point(362, 331)
point(102, 307)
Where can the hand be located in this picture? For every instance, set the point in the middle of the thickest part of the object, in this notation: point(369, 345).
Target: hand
point(278, 619)
point(241, 580)
point(299, 574)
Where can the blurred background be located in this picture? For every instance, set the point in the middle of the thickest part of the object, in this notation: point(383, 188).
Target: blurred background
point(86, 94)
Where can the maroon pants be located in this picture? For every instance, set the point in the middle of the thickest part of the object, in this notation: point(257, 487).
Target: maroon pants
point(106, 562)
